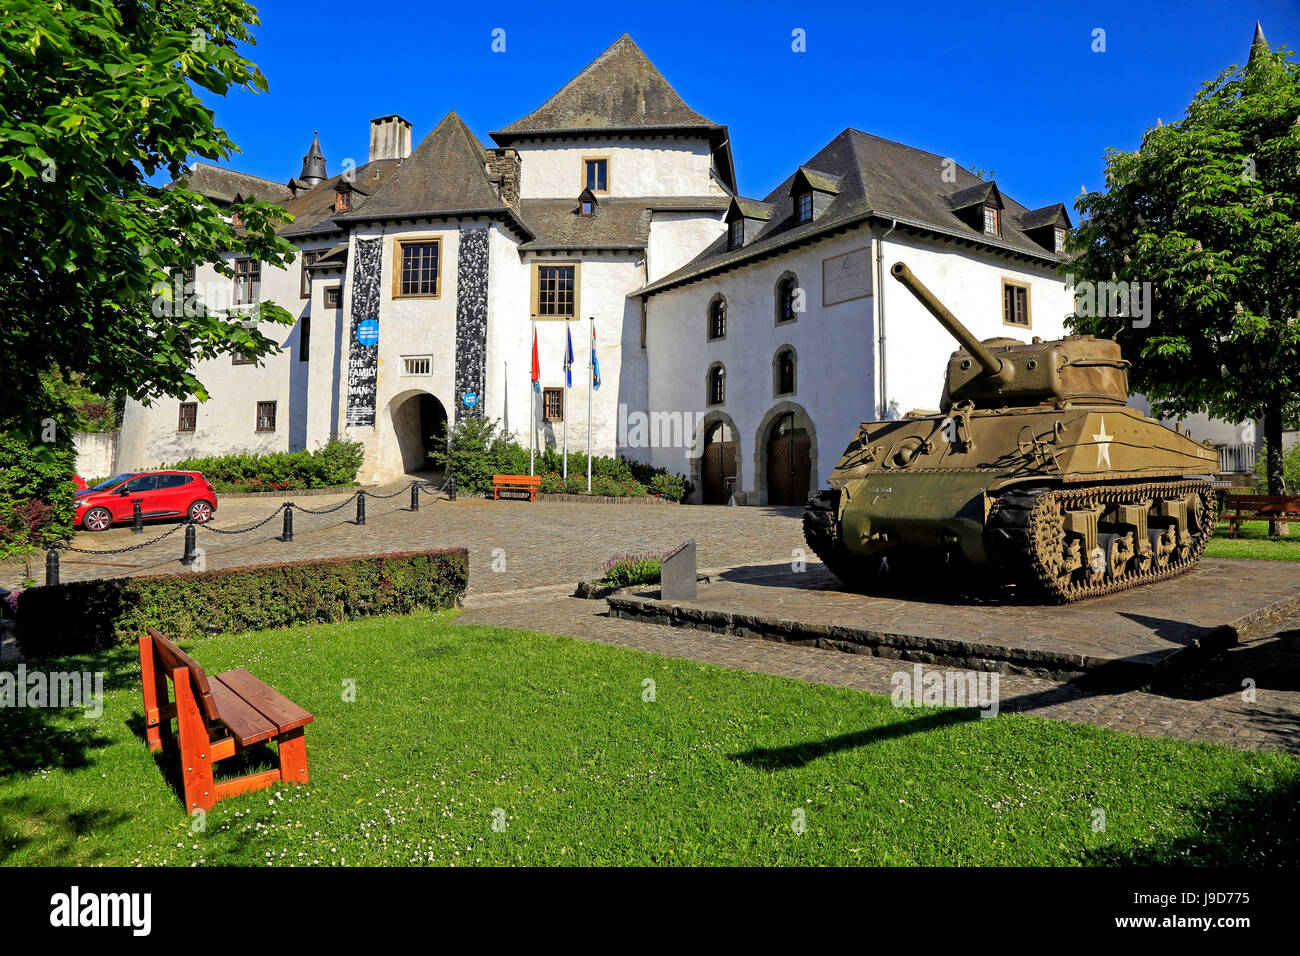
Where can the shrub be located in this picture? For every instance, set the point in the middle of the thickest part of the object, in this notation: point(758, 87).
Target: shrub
point(1290, 468)
point(334, 463)
point(36, 504)
point(83, 616)
point(629, 569)
point(475, 449)
point(552, 484)
point(672, 487)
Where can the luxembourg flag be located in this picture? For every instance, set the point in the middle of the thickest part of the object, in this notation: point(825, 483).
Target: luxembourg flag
point(568, 359)
point(595, 363)
point(537, 366)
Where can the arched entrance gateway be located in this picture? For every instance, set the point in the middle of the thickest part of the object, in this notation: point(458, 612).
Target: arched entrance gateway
point(715, 460)
point(787, 448)
point(420, 423)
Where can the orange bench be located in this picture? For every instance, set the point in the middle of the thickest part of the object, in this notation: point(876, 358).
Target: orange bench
point(217, 719)
point(1259, 508)
point(528, 483)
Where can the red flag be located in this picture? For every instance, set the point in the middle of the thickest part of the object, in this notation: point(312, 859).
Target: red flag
point(537, 366)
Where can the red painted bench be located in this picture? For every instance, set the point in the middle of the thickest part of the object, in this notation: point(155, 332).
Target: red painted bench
point(1259, 508)
point(528, 483)
point(217, 719)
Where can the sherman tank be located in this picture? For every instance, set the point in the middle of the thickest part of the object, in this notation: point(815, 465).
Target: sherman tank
point(1033, 467)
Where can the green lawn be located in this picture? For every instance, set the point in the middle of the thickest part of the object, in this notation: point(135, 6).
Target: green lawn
point(1254, 543)
point(451, 723)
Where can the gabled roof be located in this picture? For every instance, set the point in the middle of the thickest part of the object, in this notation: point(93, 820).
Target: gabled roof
point(881, 181)
point(980, 194)
point(814, 179)
point(750, 209)
point(313, 209)
point(444, 176)
point(619, 92)
point(1053, 215)
point(223, 185)
point(621, 223)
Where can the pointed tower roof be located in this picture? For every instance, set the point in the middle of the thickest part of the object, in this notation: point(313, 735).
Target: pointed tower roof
point(446, 175)
point(1257, 42)
point(313, 164)
point(622, 92)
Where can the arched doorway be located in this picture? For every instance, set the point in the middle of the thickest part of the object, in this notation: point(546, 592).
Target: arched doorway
point(718, 464)
point(789, 459)
point(420, 423)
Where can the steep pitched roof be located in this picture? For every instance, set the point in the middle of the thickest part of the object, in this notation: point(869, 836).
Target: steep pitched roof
point(226, 185)
point(879, 179)
point(621, 223)
point(620, 91)
point(313, 209)
point(445, 175)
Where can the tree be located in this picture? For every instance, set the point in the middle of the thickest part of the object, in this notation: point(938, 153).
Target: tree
point(99, 96)
point(1206, 212)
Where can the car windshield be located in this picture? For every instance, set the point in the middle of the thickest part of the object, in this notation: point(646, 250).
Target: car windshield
point(110, 482)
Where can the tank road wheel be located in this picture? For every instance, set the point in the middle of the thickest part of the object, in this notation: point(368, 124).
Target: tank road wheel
point(821, 529)
point(1116, 553)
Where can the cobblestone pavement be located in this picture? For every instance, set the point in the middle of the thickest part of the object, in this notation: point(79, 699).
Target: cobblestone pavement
point(513, 544)
point(1207, 707)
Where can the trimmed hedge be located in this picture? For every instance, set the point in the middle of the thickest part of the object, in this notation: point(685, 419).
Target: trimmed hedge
point(334, 464)
point(83, 616)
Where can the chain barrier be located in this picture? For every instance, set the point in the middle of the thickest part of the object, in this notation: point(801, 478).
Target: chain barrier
point(264, 521)
point(135, 547)
point(322, 511)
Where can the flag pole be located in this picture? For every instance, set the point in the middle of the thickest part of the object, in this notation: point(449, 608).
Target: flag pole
point(568, 371)
point(532, 411)
point(591, 374)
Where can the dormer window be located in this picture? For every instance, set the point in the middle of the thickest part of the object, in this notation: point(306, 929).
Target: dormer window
point(736, 235)
point(991, 226)
point(587, 207)
point(344, 201)
point(1060, 241)
point(236, 220)
point(803, 207)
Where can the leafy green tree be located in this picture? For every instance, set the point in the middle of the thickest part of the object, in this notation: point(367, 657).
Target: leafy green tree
point(98, 96)
point(1206, 210)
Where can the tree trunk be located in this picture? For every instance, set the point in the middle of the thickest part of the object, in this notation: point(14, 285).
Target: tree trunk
point(1273, 460)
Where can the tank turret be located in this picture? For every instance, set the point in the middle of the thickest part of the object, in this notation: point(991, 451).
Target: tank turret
point(1035, 467)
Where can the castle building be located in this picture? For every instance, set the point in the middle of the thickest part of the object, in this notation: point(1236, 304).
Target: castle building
point(740, 341)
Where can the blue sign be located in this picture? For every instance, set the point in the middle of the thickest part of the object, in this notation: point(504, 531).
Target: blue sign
point(471, 399)
point(368, 331)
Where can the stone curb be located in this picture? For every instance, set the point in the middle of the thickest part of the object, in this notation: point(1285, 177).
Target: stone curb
point(1129, 673)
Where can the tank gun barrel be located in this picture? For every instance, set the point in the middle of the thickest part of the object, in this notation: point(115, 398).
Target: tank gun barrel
point(998, 371)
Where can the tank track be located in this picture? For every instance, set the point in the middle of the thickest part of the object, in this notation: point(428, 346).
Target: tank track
point(1026, 539)
point(821, 531)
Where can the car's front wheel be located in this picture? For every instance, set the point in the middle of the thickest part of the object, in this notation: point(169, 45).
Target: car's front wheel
point(97, 519)
point(201, 511)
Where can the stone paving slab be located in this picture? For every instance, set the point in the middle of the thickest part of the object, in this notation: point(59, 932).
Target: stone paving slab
point(1125, 639)
point(1207, 707)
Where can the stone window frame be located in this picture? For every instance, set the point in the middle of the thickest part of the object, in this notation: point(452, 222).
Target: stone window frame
point(399, 243)
point(248, 280)
point(335, 290)
point(585, 176)
point(551, 396)
point(407, 366)
point(790, 350)
point(715, 386)
point(261, 417)
point(1007, 283)
point(718, 300)
point(304, 282)
point(779, 298)
point(535, 291)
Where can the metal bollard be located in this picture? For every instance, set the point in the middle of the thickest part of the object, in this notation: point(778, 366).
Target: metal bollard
point(415, 496)
point(451, 488)
point(188, 557)
point(52, 566)
point(288, 522)
point(361, 507)
point(137, 519)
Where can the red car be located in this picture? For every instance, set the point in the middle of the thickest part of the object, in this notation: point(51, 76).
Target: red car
point(162, 494)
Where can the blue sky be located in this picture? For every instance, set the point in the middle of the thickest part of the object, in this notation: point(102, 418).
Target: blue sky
point(1012, 87)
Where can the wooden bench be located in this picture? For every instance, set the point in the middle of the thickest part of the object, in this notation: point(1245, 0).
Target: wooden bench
point(217, 719)
point(1239, 508)
point(528, 483)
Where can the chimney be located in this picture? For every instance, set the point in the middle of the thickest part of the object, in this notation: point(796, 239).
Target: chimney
point(503, 171)
point(390, 138)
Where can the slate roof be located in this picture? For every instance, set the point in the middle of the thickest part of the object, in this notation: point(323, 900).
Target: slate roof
point(313, 210)
point(223, 185)
point(881, 180)
point(444, 176)
point(616, 223)
point(754, 209)
point(620, 91)
point(1046, 216)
